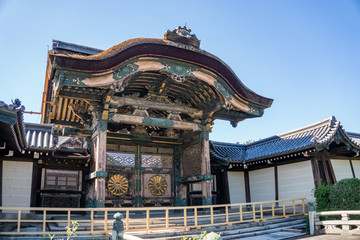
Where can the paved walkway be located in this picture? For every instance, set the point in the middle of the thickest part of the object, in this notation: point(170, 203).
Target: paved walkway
point(329, 237)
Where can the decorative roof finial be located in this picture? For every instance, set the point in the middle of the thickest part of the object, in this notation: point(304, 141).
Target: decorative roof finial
point(182, 35)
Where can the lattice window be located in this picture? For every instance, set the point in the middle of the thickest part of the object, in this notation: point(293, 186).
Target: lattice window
point(192, 160)
point(157, 161)
point(61, 180)
point(121, 159)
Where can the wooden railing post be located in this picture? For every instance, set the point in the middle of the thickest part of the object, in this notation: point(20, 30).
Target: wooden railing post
point(44, 223)
point(19, 221)
point(195, 216)
point(303, 205)
point(212, 214)
point(273, 209)
point(68, 219)
point(253, 210)
point(92, 222)
point(261, 212)
point(167, 218)
point(106, 222)
point(127, 219)
point(284, 210)
point(227, 214)
point(240, 212)
point(147, 220)
point(185, 217)
point(294, 209)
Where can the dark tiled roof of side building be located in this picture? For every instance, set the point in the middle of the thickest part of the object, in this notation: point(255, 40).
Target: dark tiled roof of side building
point(316, 136)
point(40, 136)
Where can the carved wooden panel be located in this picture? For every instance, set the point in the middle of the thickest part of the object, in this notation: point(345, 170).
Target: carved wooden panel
point(60, 200)
point(121, 159)
point(156, 161)
point(192, 160)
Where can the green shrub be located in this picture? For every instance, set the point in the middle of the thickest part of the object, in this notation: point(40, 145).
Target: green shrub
point(322, 195)
point(343, 195)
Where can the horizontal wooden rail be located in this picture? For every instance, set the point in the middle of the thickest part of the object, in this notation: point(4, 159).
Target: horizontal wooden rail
point(100, 220)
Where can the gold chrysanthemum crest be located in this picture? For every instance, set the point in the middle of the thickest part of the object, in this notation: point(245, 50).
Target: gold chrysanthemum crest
point(157, 185)
point(118, 185)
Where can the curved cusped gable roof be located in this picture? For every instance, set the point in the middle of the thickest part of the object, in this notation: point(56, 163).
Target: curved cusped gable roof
point(148, 47)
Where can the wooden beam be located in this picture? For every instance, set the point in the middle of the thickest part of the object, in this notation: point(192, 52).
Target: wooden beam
point(127, 101)
point(150, 121)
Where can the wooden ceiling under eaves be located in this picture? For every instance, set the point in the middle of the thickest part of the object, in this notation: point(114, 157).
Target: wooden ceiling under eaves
point(191, 92)
point(153, 86)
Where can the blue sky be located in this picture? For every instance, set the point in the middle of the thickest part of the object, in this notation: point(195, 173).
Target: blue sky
point(305, 54)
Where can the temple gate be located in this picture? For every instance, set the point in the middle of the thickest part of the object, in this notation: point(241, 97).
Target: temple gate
point(145, 109)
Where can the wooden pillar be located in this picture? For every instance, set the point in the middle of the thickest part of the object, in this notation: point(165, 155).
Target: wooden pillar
point(181, 188)
point(99, 173)
point(205, 169)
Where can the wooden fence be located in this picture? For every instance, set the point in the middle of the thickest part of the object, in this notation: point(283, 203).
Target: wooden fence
point(343, 225)
point(98, 221)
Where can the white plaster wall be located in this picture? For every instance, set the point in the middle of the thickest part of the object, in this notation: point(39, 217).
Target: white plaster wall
point(262, 185)
point(296, 180)
point(237, 187)
point(342, 169)
point(16, 185)
point(356, 166)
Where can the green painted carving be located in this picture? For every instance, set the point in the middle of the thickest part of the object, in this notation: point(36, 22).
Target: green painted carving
point(206, 201)
point(117, 201)
point(196, 178)
point(89, 203)
point(124, 71)
point(103, 125)
point(158, 121)
point(97, 174)
point(72, 79)
point(100, 203)
point(178, 69)
point(180, 201)
point(222, 89)
point(255, 110)
point(205, 177)
point(204, 136)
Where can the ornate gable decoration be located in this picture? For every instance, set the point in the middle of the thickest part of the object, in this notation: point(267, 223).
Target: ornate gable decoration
point(182, 35)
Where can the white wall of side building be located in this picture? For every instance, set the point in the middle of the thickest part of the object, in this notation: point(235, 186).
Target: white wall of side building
point(356, 166)
point(236, 187)
point(16, 183)
point(296, 180)
point(262, 185)
point(342, 169)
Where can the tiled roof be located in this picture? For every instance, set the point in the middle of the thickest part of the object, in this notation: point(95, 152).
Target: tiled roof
point(316, 136)
point(71, 48)
point(355, 137)
point(39, 136)
point(12, 124)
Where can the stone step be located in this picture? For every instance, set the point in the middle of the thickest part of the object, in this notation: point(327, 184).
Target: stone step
point(261, 232)
point(228, 231)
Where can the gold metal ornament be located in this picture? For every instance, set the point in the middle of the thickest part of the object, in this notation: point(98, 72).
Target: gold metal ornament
point(118, 185)
point(157, 185)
